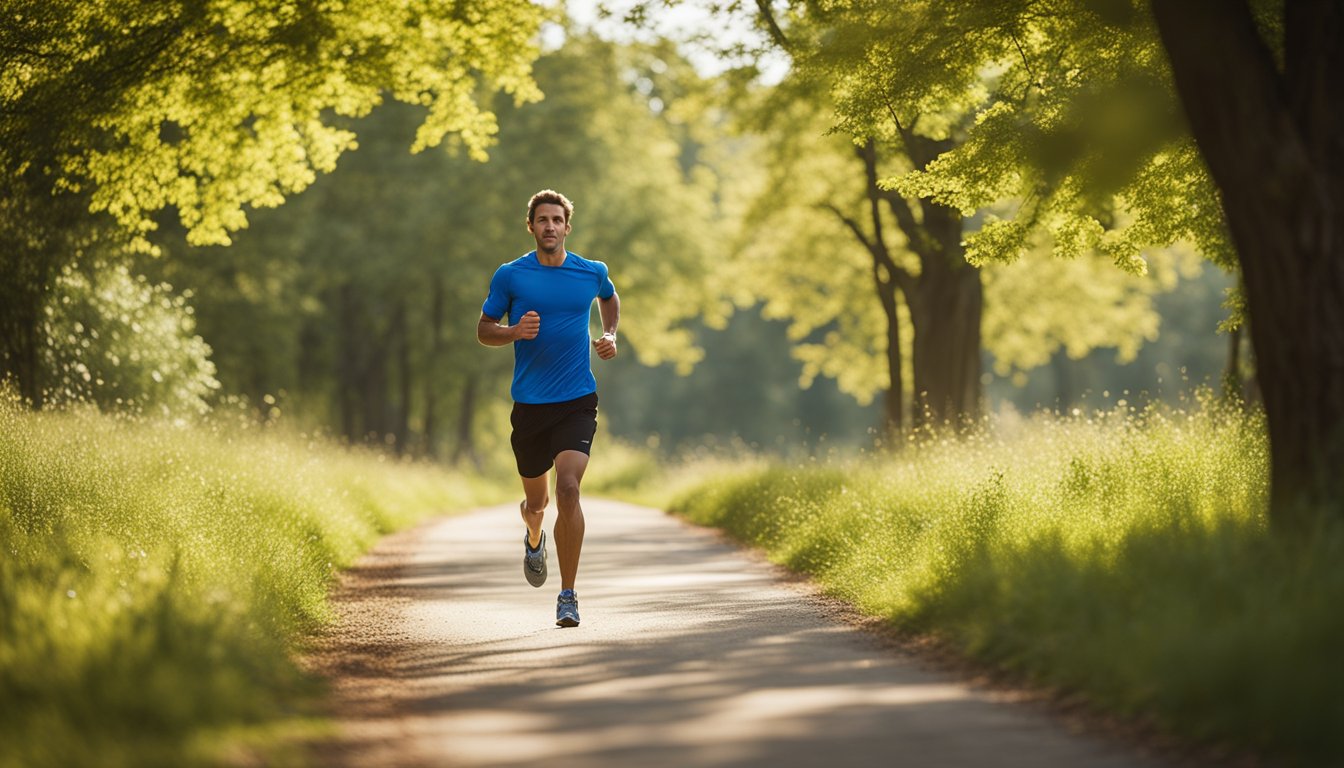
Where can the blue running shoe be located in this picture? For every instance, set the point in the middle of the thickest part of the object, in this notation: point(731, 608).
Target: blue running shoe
point(567, 609)
point(534, 561)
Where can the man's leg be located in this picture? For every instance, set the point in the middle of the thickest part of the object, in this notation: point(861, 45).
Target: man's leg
point(534, 506)
point(569, 468)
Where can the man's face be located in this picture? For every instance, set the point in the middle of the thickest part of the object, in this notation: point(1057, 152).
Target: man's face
point(549, 227)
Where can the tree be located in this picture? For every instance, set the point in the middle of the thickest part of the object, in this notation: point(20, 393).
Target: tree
point(353, 298)
point(943, 294)
point(832, 231)
point(818, 249)
point(125, 109)
point(1121, 127)
point(1265, 106)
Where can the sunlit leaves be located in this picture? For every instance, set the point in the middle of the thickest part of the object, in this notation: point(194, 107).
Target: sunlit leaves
point(1035, 307)
point(134, 110)
point(1075, 124)
point(642, 176)
point(800, 263)
point(216, 107)
point(124, 343)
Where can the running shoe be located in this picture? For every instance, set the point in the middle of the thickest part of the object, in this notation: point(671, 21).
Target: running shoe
point(567, 609)
point(534, 560)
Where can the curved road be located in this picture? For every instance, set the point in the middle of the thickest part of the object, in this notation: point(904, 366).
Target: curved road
point(691, 653)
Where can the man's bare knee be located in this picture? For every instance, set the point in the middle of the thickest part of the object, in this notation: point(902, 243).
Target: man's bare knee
point(539, 508)
point(567, 493)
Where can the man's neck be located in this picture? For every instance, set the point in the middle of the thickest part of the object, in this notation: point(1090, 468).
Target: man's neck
point(551, 258)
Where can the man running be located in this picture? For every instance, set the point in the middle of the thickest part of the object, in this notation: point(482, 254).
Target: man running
point(547, 296)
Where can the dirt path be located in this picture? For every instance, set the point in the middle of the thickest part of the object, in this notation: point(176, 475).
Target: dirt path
point(690, 654)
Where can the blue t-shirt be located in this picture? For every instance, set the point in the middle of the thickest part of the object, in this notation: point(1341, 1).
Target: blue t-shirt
point(555, 366)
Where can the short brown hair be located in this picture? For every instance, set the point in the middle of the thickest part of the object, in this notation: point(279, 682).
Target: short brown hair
point(549, 196)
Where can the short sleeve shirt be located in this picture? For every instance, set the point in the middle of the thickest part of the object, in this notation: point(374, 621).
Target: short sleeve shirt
point(555, 366)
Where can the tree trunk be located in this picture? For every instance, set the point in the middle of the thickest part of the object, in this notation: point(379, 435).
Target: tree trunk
point(945, 313)
point(348, 365)
point(373, 393)
point(893, 400)
point(430, 435)
point(20, 339)
point(40, 232)
point(401, 425)
point(946, 300)
point(1066, 389)
point(888, 277)
point(466, 422)
point(314, 343)
point(1274, 144)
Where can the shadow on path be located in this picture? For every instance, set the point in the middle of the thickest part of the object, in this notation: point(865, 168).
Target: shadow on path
point(689, 654)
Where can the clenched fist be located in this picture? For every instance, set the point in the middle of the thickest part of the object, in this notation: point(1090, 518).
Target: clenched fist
point(605, 346)
point(528, 326)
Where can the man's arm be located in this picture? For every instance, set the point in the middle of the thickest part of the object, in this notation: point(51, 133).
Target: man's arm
point(490, 333)
point(610, 310)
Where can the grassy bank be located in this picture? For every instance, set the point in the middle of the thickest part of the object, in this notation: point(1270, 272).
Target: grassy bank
point(155, 579)
point(1124, 556)
point(640, 475)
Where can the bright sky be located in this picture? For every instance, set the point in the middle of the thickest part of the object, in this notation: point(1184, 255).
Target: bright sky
point(686, 20)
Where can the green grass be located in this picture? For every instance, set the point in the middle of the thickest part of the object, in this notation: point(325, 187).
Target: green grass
point(1124, 557)
point(157, 579)
point(639, 475)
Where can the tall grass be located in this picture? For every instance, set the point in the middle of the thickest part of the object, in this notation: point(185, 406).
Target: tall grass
point(155, 579)
point(640, 475)
point(1123, 556)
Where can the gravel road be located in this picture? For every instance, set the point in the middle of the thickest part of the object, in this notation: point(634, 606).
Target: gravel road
point(690, 653)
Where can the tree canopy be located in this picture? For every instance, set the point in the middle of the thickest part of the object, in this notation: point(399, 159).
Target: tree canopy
point(1119, 125)
point(354, 299)
point(212, 107)
point(823, 287)
point(1066, 121)
point(111, 112)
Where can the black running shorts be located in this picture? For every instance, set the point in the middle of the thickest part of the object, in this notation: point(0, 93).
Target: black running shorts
point(541, 431)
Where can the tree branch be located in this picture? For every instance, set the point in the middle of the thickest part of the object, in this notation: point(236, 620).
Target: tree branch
point(776, 33)
point(915, 235)
point(881, 254)
point(907, 134)
point(868, 153)
point(1035, 80)
point(853, 227)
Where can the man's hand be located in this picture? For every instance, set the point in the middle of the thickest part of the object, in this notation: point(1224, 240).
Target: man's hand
point(528, 326)
point(605, 346)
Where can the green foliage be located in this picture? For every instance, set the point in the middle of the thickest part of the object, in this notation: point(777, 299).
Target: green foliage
point(825, 289)
point(358, 299)
point(1122, 555)
point(156, 578)
point(113, 112)
point(1075, 119)
point(212, 107)
point(1040, 305)
point(641, 474)
point(712, 407)
point(796, 259)
point(636, 148)
point(626, 471)
point(124, 343)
